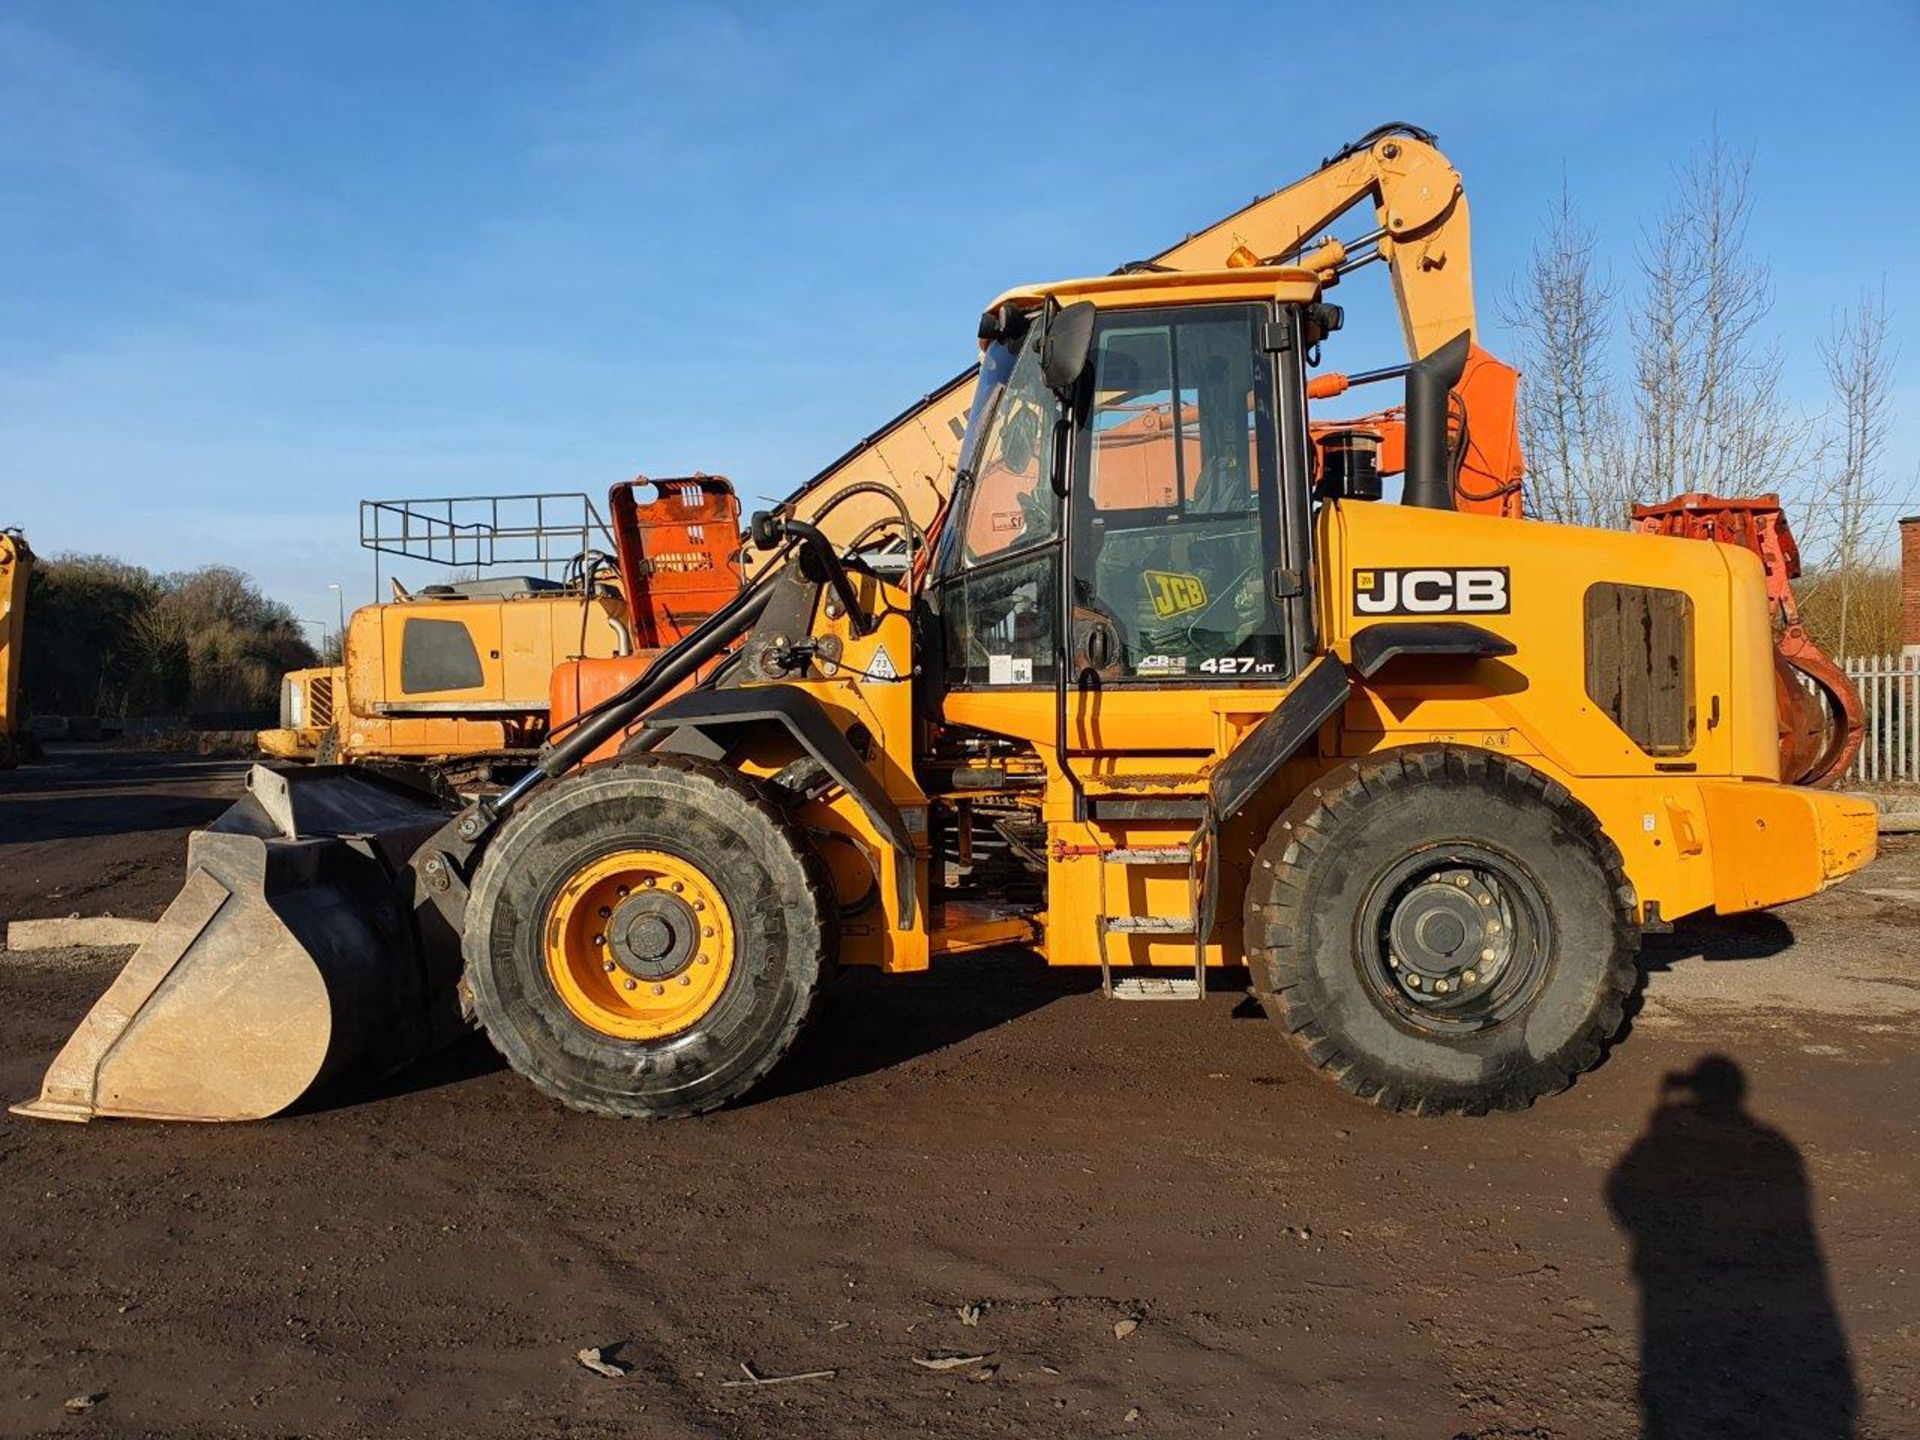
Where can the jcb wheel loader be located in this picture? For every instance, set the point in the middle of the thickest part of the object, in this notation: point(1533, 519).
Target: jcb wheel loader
point(1426, 774)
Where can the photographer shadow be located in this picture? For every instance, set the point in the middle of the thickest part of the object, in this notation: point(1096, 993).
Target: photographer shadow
point(1739, 1334)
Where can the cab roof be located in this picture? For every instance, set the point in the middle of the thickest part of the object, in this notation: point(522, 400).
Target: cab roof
point(1288, 284)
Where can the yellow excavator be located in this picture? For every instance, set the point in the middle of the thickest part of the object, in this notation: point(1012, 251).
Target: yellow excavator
point(455, 684)
point(1168, 693)
point(16, 567)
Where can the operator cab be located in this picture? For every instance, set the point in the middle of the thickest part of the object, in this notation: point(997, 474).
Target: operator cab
point(1166, 459)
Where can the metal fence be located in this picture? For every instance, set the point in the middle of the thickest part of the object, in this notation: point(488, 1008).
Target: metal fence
point(1889, 687)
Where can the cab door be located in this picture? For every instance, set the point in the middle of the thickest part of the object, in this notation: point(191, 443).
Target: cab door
point(1186, 543)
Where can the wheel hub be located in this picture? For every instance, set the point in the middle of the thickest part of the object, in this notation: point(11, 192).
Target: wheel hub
point(639, 944)
point(652, 935)
point(1449, 936)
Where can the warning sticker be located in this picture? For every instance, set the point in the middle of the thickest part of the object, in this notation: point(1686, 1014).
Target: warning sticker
point(1009, 670)
point(1174, 593)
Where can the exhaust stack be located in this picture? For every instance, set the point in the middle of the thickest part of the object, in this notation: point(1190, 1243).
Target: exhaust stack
point(1429, 482)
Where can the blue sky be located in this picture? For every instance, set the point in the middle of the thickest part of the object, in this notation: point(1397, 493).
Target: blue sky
point(260, 260)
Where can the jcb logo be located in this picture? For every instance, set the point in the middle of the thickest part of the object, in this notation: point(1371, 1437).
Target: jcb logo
point(1173, 593)
point(1479, 591)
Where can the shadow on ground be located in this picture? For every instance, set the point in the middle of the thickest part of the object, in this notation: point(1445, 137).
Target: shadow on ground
point(871, 1022)
point(1739, 1334)
point(867, 1022)
point(1758, 935)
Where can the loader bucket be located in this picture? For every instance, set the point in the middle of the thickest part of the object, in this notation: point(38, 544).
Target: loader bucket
point(289, 959)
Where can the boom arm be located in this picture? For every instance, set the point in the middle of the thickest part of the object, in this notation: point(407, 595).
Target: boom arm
point(1421, 233)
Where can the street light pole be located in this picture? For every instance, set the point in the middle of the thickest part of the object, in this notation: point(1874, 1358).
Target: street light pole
point(340, 597)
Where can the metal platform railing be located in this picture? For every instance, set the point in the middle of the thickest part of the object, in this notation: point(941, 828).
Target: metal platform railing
point(541, 531)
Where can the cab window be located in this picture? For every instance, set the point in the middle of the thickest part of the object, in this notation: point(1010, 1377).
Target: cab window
point(998, 608)
point(1010, 505)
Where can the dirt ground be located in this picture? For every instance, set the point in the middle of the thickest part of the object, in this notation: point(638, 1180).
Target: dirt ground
point(1161, 1223)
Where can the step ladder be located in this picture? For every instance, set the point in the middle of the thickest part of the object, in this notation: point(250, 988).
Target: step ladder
point(1197, 855)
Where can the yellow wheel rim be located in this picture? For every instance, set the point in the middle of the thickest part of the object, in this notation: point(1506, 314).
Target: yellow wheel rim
point(639, 944)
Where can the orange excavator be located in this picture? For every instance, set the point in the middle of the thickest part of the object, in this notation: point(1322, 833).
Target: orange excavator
point(1420, 232)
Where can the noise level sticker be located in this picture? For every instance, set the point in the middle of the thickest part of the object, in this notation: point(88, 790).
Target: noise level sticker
point(1174, 593)
point(880, 667)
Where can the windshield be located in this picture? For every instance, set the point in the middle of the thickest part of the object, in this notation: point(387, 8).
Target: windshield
point(1007, 504)
point(996, 363)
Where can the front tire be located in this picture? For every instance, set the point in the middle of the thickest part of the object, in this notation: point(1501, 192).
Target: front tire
point(1443, 930)
point(647, 937)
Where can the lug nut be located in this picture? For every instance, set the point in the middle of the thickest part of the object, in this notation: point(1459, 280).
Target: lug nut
point(1441, 986)
point(1493, 927)
point(699, 959)
point(631, 984)
point(599, 940)
point(1486, 900)
point(686, 979)
point(1414, 981)
point(1470, 977)
point(1487, 954)
point(699, 904)
point(1462, 881)
point(622, 892)
point(678, 887)
point(647, 884)
point(706, 932)
point(659, 989)
point(605, 912)
point(607, 965)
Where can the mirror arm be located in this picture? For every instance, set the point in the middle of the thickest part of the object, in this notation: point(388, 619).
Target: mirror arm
point(768, 528)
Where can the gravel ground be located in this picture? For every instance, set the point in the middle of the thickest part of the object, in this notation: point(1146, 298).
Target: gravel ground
point(1159, 1222)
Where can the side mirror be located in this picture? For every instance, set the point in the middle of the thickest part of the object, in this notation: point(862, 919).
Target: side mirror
point(1066, 345)
point(764, 530)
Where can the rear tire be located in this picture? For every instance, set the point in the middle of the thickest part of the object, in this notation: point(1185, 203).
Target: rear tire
point(717, 831)
point(1443, 930)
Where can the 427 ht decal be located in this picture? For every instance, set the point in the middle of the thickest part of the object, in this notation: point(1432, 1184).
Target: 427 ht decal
point(1475, 590)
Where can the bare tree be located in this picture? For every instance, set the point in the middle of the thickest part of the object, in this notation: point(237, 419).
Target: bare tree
point(1859, 363)
point(1706, 381)
point(1563, 310)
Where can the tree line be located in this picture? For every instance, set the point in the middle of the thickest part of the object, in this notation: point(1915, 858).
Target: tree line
point(1671, 382)
point(111, 639)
